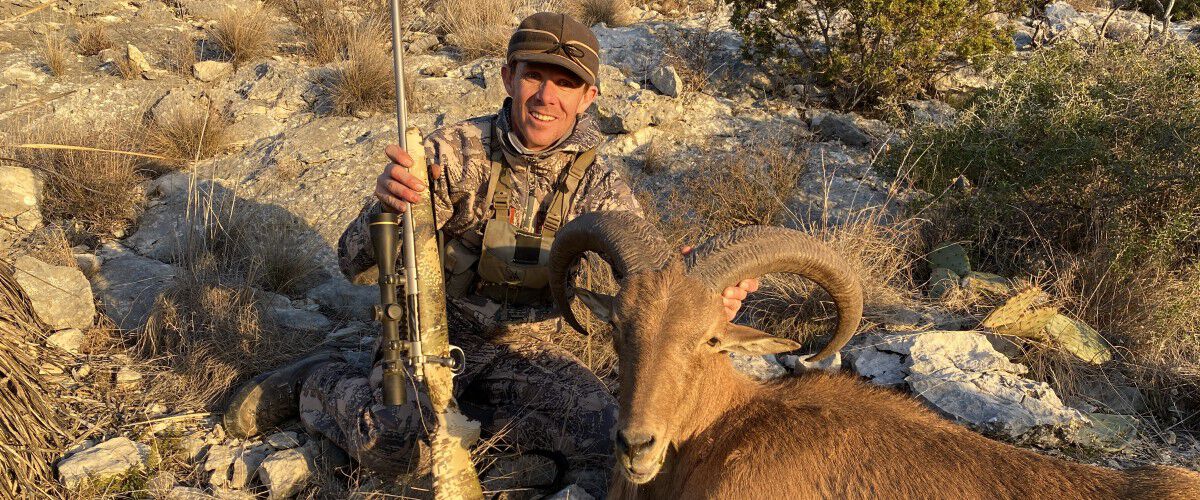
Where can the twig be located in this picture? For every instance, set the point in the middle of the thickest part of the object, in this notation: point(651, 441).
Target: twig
point(85, 148)
point(28, 12)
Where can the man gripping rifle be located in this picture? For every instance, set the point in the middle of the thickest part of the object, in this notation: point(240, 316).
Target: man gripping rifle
point(503, 185)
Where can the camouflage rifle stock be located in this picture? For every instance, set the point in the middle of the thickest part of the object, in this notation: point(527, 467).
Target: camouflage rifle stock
point(430, 358)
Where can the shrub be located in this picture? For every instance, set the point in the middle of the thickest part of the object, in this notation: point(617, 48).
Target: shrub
point(869, 48)
point(92, 38)
point(1182, 10)
point(327, 26)
point(1087, 162)
point(244, 35)
point(479, 28)
point(54, 54)
point(590, 12)
point(188, 133)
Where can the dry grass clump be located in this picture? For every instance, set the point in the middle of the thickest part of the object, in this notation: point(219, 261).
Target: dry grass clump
point(327, 27)
point(92, 38)
point(94, 189)
point(364, 80)
point(610, 12)
point(49, 244)
point(181, 54)
point(244, 35)
point(31, 434)
point(480, 28)
point(189, 133)
point(54, 54)
point(755, 184)
point(693, 51)
point(214, 325)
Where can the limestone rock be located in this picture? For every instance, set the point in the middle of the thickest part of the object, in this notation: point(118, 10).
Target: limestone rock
point(137, 59)
point(284, 440)
point(285, 472)
point(127, 377)
point(68, 340)
point(223, 493)
point(931, 112)
point(22, 74)
point(1108, 433)
point(959, 374)
point(105, 460)
point(301, 320)
point(207, 71)
point(127, 285)
point(218, 462)
point(346, 300)
point(667, 81)
point(20, 191)
point(848, 128)
point(59, 294)
point(622, 115)
point(187, 493)
point(246, 462)
point(93, 8)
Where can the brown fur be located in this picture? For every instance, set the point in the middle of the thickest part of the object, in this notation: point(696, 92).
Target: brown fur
point(816, 435)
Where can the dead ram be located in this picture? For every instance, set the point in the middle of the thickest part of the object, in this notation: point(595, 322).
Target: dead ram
point(691, 427)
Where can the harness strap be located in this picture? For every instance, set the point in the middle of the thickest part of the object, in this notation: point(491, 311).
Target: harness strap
point(560, 206)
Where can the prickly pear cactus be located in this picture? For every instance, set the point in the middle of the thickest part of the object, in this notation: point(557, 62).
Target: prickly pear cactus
point(1024, 315)
point(941, 282)
point(1079, 339)
point(951, 256)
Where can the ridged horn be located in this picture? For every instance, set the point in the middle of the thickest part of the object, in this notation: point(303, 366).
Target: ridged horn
point(623, 239)
point(753, 251)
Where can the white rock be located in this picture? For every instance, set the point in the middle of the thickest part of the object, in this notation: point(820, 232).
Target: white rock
point(286, 472)
point(223, 493)
point(207, 71)
point(667, 81)
point(187, 493)
point(20, 191)
point(68, 340)
point(284, 440)
point(105, 460)
point(136, 59)
point(219, 459)
point(246, 463)
point(127, 285)
point(127, 376)
point(22, 74)
point(60, 295)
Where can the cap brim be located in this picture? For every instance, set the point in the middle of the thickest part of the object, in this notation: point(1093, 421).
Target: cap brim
point(557, 60)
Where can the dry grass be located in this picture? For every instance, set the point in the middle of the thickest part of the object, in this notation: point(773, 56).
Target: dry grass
point(244, 35)
point(693, 51)
point(54, 54)
point(189, 133)
point(92, 38)
point(95, 190)
point(49, 244)
point(657, 157)
point(480, 28)
point(213, 326)
point(126, 68)
point(31, 434)
point(181, 54)
point(327, 26)
point(364, 80)
point(610, 12)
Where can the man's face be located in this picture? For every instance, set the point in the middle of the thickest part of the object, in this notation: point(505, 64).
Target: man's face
point(546, 99)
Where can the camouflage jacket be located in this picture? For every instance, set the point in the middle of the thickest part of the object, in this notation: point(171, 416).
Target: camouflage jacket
point(462, 151)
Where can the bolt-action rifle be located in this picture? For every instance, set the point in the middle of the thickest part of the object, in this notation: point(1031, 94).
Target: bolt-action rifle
point(425, 352)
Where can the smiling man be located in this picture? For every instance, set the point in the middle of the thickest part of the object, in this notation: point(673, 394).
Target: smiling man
point(504, 184)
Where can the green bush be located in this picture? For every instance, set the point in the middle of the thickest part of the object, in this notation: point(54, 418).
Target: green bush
point(1085, 167)
point(872, 48)
point(1182, 11)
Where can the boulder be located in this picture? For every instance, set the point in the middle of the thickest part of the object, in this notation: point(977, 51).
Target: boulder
point(207, 71)
point(128, 284)
point(68, 340)
point(285, 472)
point(136, 59)
point(346, 300)
point(960, 375)
point(59, 295)
point(103, 461)
point(20, 191)
point(666, 80)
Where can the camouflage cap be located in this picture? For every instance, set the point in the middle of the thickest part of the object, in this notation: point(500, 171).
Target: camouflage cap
point(547, 37)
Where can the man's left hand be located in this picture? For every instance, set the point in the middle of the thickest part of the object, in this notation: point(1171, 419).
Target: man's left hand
point(733, 296)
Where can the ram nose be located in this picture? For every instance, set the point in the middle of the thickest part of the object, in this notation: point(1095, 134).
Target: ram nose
point(640, 454)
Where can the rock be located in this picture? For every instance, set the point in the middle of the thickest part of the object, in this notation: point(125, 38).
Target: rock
point(421, 42)
point(218, 461)
point(223, 493)
point(1107, 433)
point(207, 71)
point(22, 74)
point(187, 493)
point(192, 446)
point(68, 340)
point(284, 440)
point(136, 59)
point(942, 281)
point(105, 460)
point(1079, 339)
point(572, 492)
point(667, 81)
point(285, 472)
point(88, 264)
point(246, 462)
point(930, 112)
point(81, 372)
point(842, 127)
point(127, 377)
point(951, 256)
point(959, 374)
point(301, 320)
point(1115, 394)
point(1060, 16)
point(758, 367)
point(961, 80)
point(801, 363)
point(59, 295)
point(1022, 315)
point(20, 191)
point(127, 285)
point(622, 115)
point(93, 8)
point(161, 484)
point(987, 283)
point(174, 103)
point(346, 300)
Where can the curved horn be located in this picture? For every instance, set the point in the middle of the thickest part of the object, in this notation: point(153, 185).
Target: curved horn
point(623, 239)
point(750, 252)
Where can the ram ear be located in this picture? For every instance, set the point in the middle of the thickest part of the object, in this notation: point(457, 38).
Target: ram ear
point(600, 304)
point(754, 342)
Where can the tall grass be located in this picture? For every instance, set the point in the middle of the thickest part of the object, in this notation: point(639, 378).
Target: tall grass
point(479, 28)
point(54, 54)
point(244, 35)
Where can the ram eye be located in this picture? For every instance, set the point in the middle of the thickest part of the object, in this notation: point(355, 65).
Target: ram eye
point(713, 342)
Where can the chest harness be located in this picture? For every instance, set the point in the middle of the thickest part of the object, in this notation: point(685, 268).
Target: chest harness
point(512, 265)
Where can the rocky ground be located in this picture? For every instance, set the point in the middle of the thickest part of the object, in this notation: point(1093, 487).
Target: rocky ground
point(289, 155)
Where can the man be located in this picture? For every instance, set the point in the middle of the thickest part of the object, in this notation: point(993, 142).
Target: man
point(503, 185)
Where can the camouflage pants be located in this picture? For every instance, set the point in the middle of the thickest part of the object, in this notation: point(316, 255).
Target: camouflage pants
point(533, 394)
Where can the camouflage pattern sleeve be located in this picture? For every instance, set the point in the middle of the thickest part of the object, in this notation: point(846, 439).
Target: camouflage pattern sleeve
point(605, 189)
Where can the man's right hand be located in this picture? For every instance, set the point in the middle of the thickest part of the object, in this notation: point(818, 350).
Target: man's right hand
point(396, 185)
